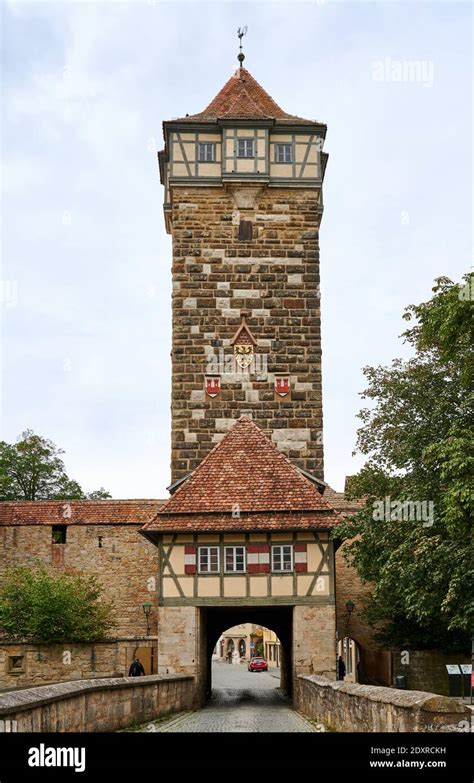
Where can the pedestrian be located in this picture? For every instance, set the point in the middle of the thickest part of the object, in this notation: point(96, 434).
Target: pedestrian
point(136, 669)
point(341, 668)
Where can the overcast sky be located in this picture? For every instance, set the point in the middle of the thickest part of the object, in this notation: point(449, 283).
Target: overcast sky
point(85, 282)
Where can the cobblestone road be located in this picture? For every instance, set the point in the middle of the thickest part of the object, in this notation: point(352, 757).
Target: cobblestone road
point(241, 701)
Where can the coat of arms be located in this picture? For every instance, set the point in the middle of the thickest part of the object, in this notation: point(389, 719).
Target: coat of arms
point(213, 385)
point(243, 342)
point(282, 385)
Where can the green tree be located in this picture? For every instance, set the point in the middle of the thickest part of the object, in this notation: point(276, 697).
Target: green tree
point(99, 494)
point(41, 607)
point(32, 469)
point(418, 438)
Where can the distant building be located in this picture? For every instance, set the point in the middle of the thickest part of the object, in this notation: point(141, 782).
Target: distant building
point(239, 643)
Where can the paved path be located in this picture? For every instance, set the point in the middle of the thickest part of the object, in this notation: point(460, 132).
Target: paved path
point(241, 701)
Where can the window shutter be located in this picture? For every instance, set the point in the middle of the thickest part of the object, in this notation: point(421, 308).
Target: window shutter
point(301, 557)
point(189, 559)
point(258, 558)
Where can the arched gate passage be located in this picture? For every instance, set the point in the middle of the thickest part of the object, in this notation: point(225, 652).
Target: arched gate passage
point(215, 620)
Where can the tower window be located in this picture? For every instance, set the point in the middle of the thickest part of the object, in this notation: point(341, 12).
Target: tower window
point(59, 534)
point(283, 153)
point(16, 664)
point(245, 148)
point(206, 152)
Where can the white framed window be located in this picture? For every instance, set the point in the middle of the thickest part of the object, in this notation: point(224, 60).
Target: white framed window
point(245, 148)
point(234, 559)
point(206, 152)
point(283, 153)
point(282, 557)
point(209, 560)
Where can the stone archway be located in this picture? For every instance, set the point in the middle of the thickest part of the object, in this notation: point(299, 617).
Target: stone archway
point(147, 657)
point(350, 651)
point(216, 620)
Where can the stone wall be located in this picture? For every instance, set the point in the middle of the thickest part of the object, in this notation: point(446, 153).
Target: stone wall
point(274, 278)
point(43, 664)
point(178, 644)
point(123, 560)
point(375, 662)
point(314, 649)
point(425, 670)
point(96, 705)
point(341, 706)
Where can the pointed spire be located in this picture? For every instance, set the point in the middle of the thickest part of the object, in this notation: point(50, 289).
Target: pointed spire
point(242, 97)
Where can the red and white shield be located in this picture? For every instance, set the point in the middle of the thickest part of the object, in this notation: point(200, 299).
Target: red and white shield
point(213, 385)
point(282, 385)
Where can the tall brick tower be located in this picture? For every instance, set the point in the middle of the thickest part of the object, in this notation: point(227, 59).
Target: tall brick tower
point(243, 203)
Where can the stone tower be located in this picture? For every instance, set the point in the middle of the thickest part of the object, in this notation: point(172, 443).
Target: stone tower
point(243, 203)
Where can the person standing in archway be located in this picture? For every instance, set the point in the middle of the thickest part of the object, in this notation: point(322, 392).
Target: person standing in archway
point(136, 669)
point(341, 668)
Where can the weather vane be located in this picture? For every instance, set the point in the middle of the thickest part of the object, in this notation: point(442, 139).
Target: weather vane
point(241, 32)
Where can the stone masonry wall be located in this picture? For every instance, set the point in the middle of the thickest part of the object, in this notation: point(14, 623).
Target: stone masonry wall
point(178, 643)
point(96, 705)
point(375, 662)
point(341, 706)
point(274, 278)
point(426, 669)
point(43, 664)
point(123, 560)
point(314, 633)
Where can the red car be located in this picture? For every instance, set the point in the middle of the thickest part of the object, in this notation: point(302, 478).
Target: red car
point(258, 665)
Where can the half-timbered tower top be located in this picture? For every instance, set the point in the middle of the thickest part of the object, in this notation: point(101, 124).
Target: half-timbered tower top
point(243, 135)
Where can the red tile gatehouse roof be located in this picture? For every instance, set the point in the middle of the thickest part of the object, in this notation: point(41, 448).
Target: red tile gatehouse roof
point(244, 483)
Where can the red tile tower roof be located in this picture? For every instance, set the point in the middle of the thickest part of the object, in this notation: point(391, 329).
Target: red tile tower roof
point(244, 483)
point(242, 97)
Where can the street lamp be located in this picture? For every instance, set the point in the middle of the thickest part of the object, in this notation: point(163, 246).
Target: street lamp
point(147, 612)
point(350, 606)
